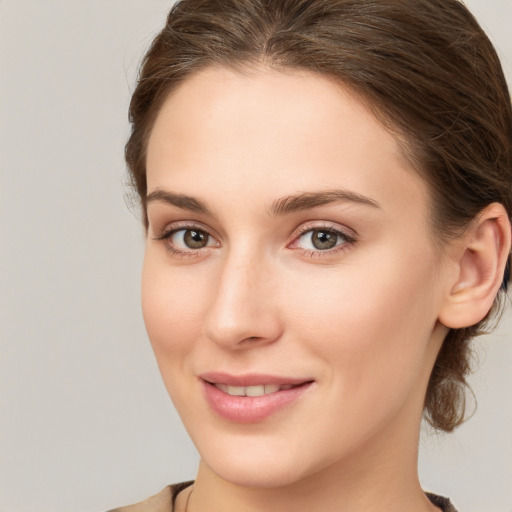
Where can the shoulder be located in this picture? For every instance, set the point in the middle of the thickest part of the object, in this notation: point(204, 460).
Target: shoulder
point(161, 502)
point(443, 503)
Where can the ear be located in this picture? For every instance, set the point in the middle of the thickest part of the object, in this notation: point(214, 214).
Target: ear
point(479, 258)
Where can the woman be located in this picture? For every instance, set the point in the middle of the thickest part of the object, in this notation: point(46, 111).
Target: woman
point(326, 188)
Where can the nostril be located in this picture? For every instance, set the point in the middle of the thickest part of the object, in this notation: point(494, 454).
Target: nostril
point(251, 340)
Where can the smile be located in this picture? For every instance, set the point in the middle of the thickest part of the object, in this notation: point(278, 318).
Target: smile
point(251, 398)
point(259, 390)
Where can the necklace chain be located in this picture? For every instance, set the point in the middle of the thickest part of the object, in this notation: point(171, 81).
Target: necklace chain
point(188, 498)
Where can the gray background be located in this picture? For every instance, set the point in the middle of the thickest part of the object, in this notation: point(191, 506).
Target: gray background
point(85, 423)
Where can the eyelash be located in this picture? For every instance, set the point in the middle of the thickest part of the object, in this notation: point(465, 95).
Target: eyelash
point(169, 231)
point(347, 239)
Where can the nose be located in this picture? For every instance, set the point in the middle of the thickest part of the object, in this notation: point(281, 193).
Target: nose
point(243, 312)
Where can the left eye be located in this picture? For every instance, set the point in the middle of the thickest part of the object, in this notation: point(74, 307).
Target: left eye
point(320, 239)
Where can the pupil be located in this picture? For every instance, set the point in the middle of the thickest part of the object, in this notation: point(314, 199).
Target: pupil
point(195, 239)
point(324, 240)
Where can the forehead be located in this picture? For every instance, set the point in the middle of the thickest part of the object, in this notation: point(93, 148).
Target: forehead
point(216, 102)
point(226, 132)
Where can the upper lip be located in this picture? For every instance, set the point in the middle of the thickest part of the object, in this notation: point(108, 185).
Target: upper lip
point(250, 379)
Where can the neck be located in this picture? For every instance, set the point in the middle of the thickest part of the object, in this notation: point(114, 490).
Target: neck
point(383, 476)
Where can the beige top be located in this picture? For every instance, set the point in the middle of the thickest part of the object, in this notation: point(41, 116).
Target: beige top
point(161, 502)
point(164, 501)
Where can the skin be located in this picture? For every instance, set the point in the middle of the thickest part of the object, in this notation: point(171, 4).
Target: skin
point(361, 320)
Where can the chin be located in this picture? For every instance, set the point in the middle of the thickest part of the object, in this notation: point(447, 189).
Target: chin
point(256, 464)
point(255, 475)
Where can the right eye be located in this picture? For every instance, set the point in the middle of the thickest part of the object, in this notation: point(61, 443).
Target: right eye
point(190, 239)
point(187, 241)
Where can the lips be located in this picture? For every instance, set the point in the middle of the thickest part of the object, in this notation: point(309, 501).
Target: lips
point(251, 398)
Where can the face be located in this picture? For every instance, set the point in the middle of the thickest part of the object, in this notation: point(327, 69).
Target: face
point(291, 287)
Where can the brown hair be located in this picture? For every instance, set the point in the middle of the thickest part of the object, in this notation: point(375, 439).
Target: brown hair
point(424, 67)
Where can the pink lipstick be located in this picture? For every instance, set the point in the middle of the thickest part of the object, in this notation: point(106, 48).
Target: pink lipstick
point(251, 398)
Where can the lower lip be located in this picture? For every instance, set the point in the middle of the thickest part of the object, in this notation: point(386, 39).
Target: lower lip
point(250, 409)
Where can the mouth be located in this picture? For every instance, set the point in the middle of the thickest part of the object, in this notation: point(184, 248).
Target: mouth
point(251, 398)
point(258, 390)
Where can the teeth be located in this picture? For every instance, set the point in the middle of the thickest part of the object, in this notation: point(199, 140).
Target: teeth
point(236, 390)
point(262, 389)
point(254, 390)
point(222, 387)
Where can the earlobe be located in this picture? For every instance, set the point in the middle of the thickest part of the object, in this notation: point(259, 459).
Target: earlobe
point(480, 259)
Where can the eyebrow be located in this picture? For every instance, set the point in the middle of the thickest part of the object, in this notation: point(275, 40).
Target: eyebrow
point(180, 200)
point(283, 206)
point(308, 200)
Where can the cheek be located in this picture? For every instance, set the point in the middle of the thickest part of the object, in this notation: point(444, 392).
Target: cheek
point(172, 306)
point(372, 331)
point(372, 320)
